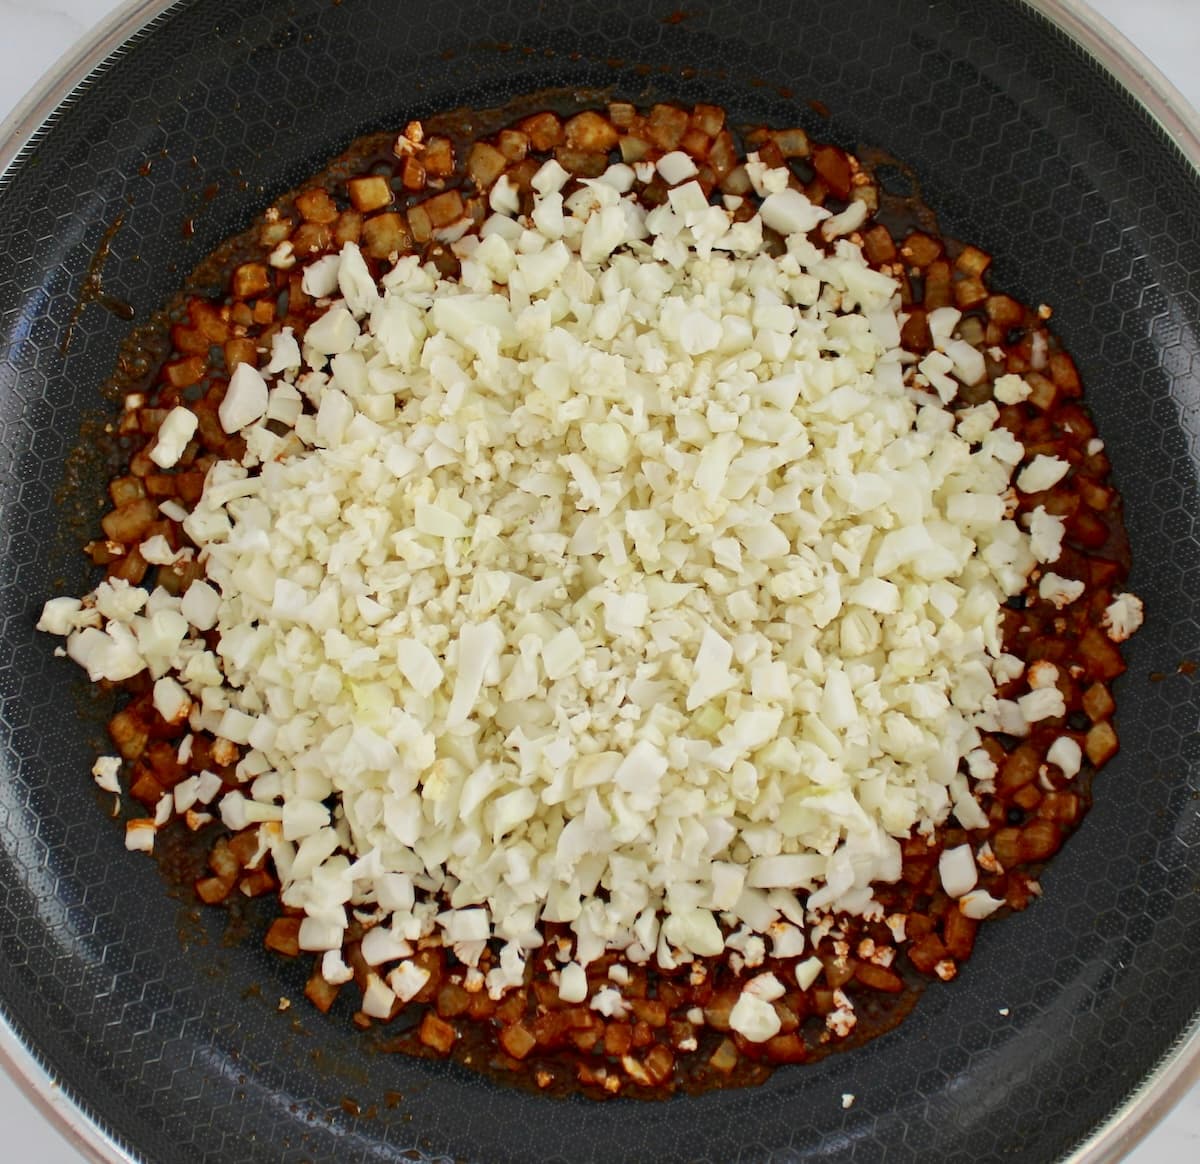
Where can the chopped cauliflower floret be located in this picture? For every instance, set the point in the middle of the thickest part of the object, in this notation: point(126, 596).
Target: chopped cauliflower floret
point(178, 427)
point(1058, 590)
point(105, 771)
point(1067, 754)
point(1042, 473)
point(1010, 389)
point(754, 1018)
point(1122, 617)
point(1045, 535)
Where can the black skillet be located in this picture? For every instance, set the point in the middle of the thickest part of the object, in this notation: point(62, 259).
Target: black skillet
point(1070, 1020)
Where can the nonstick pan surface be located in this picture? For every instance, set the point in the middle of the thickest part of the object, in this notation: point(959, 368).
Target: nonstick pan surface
point(167, 1035)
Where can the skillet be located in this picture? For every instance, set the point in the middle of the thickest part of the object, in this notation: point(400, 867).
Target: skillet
point(1069, 1019)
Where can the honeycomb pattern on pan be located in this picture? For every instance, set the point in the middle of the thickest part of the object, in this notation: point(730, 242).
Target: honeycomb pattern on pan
point(171, 1037)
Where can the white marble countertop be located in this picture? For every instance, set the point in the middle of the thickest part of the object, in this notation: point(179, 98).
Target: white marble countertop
point(37, 32)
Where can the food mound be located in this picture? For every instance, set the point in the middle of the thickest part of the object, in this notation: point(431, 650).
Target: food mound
point(636, 604)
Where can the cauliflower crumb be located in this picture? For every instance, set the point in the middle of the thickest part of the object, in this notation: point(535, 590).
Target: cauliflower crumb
point(1067, 754)
point(1011, 389)
point(1122, 617)
point(608, 1001)
point(842, 1019)
point(1042, 673)
point(986, 859)
point(754, 1018)
point(1059, 591)
point(105, 771)
point(1046, 535)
